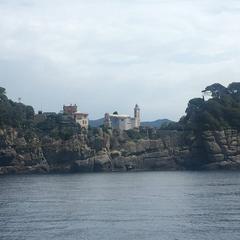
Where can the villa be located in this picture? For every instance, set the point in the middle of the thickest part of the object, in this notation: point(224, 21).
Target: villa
point(80, 118)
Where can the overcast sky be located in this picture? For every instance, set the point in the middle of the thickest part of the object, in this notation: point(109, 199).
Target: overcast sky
point(107, 55)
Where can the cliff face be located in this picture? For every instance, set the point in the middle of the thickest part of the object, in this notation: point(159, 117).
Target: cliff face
point(172, 150)
point(166, 153)
point(19, 156)
point(222, 149)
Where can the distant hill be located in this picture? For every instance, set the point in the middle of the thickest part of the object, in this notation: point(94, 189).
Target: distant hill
point(96, 123)
point(156, 123)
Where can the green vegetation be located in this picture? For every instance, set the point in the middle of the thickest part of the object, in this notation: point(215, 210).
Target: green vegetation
point(221, 111)
point(57, 126)
point(14, 114)
point(20, 116)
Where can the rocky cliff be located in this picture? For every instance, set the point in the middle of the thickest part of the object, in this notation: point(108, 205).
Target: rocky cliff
point(107, 151)
point(222, 149)
point(19, 156)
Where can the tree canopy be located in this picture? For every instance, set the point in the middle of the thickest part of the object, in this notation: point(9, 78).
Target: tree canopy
point(219, 112)
point(12, 113)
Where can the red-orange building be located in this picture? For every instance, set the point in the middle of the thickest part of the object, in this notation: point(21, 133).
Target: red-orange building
point(80, 118)
point(70, 109)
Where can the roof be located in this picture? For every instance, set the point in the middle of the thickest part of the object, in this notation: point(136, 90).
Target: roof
point(119, 116)
point(80, 114)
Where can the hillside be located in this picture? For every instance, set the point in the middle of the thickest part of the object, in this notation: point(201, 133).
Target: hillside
point(96, 123)
point(157, 123)
point(206, 138)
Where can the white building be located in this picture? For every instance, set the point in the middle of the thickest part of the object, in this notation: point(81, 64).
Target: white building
point(123, 122)
point(81, 119)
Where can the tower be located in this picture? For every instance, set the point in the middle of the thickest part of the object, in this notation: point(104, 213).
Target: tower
point(70, 109)
point(137, 116)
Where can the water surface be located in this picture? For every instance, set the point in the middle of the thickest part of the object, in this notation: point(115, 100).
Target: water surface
point(112, 206)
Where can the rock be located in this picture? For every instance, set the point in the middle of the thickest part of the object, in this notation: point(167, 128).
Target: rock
point(216, 157)
point(159, 154)
point(224, 165)
point(83, 165)
point(118, 163)
point(102, 162)
point(234, 158)
point(116, 151)
point(220, 137)
point(20, 142)
point(129, 148)
point(115, 154)
point(212, 147)
point(7, 156)
point(163, 163)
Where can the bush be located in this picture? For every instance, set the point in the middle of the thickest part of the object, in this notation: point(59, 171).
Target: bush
point(14, 114)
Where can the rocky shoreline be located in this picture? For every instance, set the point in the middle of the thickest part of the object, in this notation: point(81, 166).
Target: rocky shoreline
point(106, 152)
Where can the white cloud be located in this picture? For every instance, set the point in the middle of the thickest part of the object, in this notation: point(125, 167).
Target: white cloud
point(109, 54)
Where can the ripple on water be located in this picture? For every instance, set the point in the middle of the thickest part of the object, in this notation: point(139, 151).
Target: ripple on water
point(146, 205)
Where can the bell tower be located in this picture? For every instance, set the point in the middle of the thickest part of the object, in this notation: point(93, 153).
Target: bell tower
point(137, 116)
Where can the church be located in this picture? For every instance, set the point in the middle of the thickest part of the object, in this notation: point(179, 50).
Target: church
point(123, 122)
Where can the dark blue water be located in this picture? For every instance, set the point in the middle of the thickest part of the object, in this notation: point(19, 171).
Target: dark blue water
point(145, 205)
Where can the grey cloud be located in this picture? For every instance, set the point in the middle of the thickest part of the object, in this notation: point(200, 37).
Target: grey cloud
point(108, 55)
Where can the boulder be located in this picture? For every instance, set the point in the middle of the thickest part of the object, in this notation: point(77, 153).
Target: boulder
point(212, 147)
point(102, 162)
point(216, 157)
point(83, 165)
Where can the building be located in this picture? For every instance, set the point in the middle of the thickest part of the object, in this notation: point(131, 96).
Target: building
point(80, 118)
point(70, 109)
point(123, 122)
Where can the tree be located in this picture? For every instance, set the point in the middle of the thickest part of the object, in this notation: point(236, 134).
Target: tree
point(2, 91)
point(3, 97)
point(216, 90)
point(220, 112)
point(194, 105)
point(29, 112)
point(234, 88)
point(14, 114)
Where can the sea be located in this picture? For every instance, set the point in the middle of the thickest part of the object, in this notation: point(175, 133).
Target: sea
point(121, 206)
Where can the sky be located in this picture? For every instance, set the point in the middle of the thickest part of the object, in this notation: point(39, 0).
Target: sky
point(107, 55)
